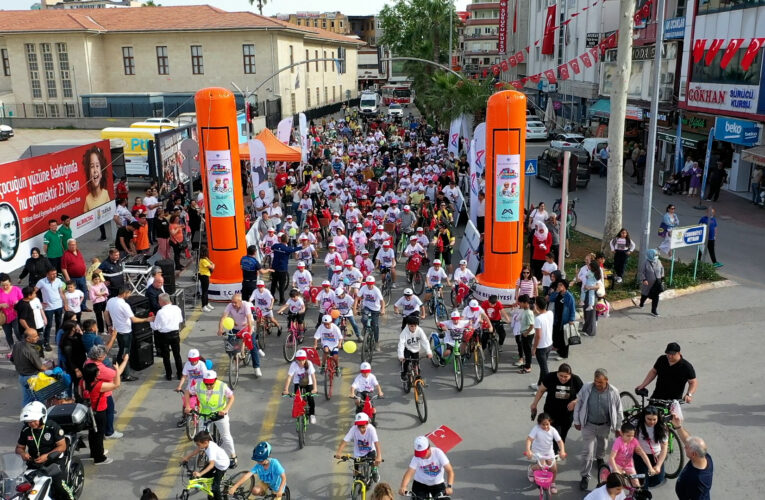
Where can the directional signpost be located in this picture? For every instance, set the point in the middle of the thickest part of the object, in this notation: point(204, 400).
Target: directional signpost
point(530, 169)
point(688, 236)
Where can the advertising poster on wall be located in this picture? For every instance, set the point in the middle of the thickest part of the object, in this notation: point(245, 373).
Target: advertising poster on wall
point(259, 170)
point(220, 183)
point(76, 182)
point(177, 157)
point(508, 188)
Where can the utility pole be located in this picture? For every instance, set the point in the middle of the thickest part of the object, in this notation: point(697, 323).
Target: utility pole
point(616, 125)
point(451, 28)
point(651, 160)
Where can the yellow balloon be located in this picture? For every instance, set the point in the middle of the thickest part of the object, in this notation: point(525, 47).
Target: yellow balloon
point(349, 346)
point(228, 323)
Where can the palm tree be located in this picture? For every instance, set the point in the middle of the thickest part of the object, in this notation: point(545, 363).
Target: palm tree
point(446, 97)
point(261, 3)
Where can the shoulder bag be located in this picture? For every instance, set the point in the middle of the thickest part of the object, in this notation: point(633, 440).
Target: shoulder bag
point(571, 333)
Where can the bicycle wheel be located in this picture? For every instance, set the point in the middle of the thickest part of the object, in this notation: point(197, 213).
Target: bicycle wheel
point(603, 472)
point(478, 362)
point(406, 384)
point(192, 425)
point(629, 402)
point(418, 283)
point(215, 434)
point(440, 315)
point(329, 375)
point(301, 428)
point(419, 400)
point(368, 346)
point(262, 332)
point(233, 370)
point(675, 460)
point(494, 355)
point(357, 493)
point(571, 219)
point(246, 357)
point(459, 377)
point(243, 491)
point(453, 297)
point(286, 494)
point(387, 286)
point(290, 347)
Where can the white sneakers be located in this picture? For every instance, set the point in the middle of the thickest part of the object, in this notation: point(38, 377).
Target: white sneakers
point(208, 308)
point(258, 373)
point(261, 353)
point(116, 435)
point(312, 418)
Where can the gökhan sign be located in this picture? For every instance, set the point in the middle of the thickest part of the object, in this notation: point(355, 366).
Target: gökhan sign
point(739, 98)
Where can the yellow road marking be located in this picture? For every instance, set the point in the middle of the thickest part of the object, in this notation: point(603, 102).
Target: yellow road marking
point(272, 408)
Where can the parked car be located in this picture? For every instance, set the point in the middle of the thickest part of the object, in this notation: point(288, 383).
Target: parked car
point(6, 131)
point(593, 145)
point(160, 121)
point(550, 164)
point(395, 110)
point(568, 137)
point(536, 130)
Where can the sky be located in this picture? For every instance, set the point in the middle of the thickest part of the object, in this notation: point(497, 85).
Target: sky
point(348, 7)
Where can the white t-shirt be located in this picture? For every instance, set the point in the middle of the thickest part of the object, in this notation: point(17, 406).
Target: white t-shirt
point(386, 257)
point(330, 336)
point(344, 304)
point(371, 299)
point(295, 305)
point(262, 300)
point(74, 300)
point(544, 322)
point(149, 201)
point(542, 446)
point(298, 371)
point(601, 493)
point(651, 447)
point(365, 384)
point(434, 276)
point(430, 471)
point(463, 276)
point(38, 311)
point(303, 280)
point(216, 454)
point(306, 254)
point(548, 267)
point(408, 307)
point(120, 313)
point(362, 443)
point(194, 373)
point(473, 317)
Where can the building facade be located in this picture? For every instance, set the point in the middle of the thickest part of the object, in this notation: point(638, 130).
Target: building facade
point(88, 4)
point(334, 22)
point(55, 61)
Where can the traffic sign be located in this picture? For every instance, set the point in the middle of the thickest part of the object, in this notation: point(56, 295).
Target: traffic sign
point(531, 168)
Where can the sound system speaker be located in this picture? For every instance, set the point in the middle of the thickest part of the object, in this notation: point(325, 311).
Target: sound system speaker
point(142, 349)
point(140, 306)
point(168, 272)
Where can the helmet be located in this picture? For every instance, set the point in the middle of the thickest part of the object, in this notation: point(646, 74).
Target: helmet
point(261, 452)
point(365, 367)
point(326, 318)
point(408, 291)
point(210, 377)
point(261, 283)
point(361, 418)
point(437, 262)
point(455, 314)
point(33, 412)
point(301, 264)
point(370, 280)
point(301, 354)
point(474, 305)
point(193, 354)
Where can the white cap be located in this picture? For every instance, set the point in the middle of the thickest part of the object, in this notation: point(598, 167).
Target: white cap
point(408, 291)
point(474, 304)
point(407, 207)
point(380, 227)
point(338, 268)
point(463, 262)
point(336, 214)
point(326, 283)
point(361, 418)
point(421, 445)
point(301, 263)
point(365, 367)
point(303, 237)
point(339, 290)
point(193, 353)
point(455, 314)
point(370, 279)
point(326, 318)
point(437, 261)
point(210, 375)
point(260, 283)
point(349, 262)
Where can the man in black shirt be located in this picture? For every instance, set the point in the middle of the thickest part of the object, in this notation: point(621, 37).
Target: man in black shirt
point(671, 372)
point(37, 440)
point(562, 388)
point(124, 241)
point(154, 291)
point(251, 269)
point(111, 270)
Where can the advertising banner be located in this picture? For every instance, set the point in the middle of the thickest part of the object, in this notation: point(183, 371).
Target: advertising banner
point(284, 130)
point(259, 170)
point(304, 141)
point(469, 247)
point(76, 182)
point(177, 157)
point(477, 167)
point(220, 183)
point(507, 185)
point(454, 136)
point(502, 34)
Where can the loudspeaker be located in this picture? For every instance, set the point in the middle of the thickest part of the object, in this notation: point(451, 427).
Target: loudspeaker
point(142, 349)
point(168, 272)
point(140, 306)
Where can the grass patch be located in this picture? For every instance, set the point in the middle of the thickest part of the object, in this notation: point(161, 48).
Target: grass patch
point(582, 244)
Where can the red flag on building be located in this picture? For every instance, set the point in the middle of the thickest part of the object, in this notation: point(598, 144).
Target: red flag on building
point(495, 69)
point(550, 74)
point(485, 73)
point(503, 65)
point(733, 46)
point(713, 50)
point(515, 16)
point(595, 54)
point(517, 84)
point(754, 48)
point(574, 66)
point(548, 41)
point(536, 78)
point(519, 56)
point(524, 80)
point(563, 72)
point(698, 50)
point(586, 60)
point(512, 61)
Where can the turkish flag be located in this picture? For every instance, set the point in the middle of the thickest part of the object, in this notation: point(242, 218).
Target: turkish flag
point(485, 73)
point(524, 80)
point(503, 65)
point(536, 78)
point(517, 84)
point(548, 41)
point(519, 56)
point(495, 69)
point(574, 66)
point(698, 50)
point(550, 74)
point(751, 53)
point(563, 72)
point(595, 53)
point(298, 405)
point(444, 438)
point(713, 50)
point(586, 60)
point(513, 62)
point(733, 46)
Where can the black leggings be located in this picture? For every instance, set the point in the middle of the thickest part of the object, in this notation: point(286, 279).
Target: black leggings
point(620, 262)
point(217, 476)
point(98, 310)
point(204, 282)
point(306, 393)
point(425, 491)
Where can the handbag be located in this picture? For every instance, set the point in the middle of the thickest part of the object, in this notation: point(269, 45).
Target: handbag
point(572, 334)
point(657, 287)
point(3, 318)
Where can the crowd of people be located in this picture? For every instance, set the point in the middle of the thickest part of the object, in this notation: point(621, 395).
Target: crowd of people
point(374, 197)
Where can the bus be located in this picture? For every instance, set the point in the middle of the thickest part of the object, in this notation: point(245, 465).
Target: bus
point(401, 93)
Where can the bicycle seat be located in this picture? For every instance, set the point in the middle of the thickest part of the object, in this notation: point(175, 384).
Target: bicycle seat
point(642, 392)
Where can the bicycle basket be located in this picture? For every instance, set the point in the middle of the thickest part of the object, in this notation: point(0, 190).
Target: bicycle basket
point(232, 343)
point(543, 478)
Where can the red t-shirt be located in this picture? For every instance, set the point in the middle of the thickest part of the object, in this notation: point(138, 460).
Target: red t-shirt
point(74, 264)
point(281, 180)
point(97, 399)
point(492, 310)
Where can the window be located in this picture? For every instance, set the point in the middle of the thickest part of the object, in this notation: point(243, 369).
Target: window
point(341, 93)
point(128, 61)
point(325, 62)
point(317, 96)
point(326, 95)
point(66, 85)
point(70, 110)
point(292, 102)
point(307, 97)
point(292, 58)
point(6, 62)
point(248, 58)
point(49, 68)
point(315, 23)
point(39, 110)
point(316, 56)
point(34, 73)
point(163, 67)
point(53, 110)
point(307, 65)
point(334, 97)
point(63, 66)
point(197, 60)
point(324, 24)
point(332, 64)
point(710, 6)
point(342, 24)
point(341, 58)
point(332, 24)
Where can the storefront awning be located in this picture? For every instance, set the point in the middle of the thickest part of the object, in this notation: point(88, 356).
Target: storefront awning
point(601, 108)
point(754, 155)
point(689, 139)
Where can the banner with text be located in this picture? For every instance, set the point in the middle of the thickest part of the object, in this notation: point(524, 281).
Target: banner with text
point(502, 35)
point(221, 183)
point(507, 186)
point(259, 170)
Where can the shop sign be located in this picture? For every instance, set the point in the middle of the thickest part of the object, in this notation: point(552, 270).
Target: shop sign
point(698, 124)
point(688, 236)
point(634, 113)
point(674, 29)
point(592, 40)
point(741, 132)
point(740, 98)
point(662, 119)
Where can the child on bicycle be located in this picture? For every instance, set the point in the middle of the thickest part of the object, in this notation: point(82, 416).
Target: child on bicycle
point(455, 327)
point(263, 301)
point(331, 339)
point(302, 374)
point(386, 260)
point(625, 447)
point(302, 278)
point(193, 370)
point(365, 384)
point(411, 340)
point(344, 302)
point(271, 474)
point(296, 308)
point(217, 465)
point(434, 277)
point(478, 320)
point(539, 443)
point(365, 443)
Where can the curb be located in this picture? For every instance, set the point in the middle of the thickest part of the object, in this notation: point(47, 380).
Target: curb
point(677, 292)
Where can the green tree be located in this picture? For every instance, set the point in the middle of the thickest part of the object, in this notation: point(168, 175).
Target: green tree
point(151, 3)
point(260, 3)
point(419, 28)
point(447, 96)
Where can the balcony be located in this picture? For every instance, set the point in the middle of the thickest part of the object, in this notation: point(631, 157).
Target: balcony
point(481, 6)
point(481, 52)
point(482, 22)
point(481, 36)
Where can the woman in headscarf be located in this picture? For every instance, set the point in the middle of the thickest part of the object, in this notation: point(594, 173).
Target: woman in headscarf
point(651, 274)
point(541, 243)
point(36, 267)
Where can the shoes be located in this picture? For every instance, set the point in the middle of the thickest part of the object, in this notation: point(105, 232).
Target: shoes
point(105, 462)
point(47, 347)
point(129, 378)
point(86, 310)
point(584, 483)
point(519, 363)
point(618, 279)
point(312, 419)
point(207, 308)
point(339, 371)
point(553, 488)
point(101, 239)
point(718, 264)
point(258, 373)
point(261, 353)
point(116, 435)
point(378, 348)
point(589, 308)
point(655, 315)
point(534, 386)
point(233, 464)
point(168, 377)
point(279, 332)
point(375, 475)
point(181, 422)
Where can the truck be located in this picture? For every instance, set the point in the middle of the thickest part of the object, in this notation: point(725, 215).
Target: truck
point(369, 103)
point(136, 148)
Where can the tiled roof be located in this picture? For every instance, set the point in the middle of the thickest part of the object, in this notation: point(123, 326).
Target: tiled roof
point(137, 19)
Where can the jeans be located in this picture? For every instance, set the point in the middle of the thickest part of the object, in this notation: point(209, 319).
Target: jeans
point(53, 314)
point(375, 322)
point(124, 341)
point(254, 352)
point(109, 424)
point(354, 325)
point(594, 439)
point(10, 330)
point(26, 393)
point(755, 192)
point(542, 354)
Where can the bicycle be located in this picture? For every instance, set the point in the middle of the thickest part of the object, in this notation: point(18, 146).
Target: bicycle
point(366, 406)
point(436, 305)
point(639, 492)
point(461, 294)
point(474, 352)
point(191, 421)
point(293, 338)
point(263, 328)
point(204, 484)
point(415, 381)
point(238, 350)
point(633, 410)
point(362, 475)
point(300, 416)
point(329, 376)
point(493, 347)
point(414, 274)
point(455, 357)
point(413, 496)
point(368, 342)
point(387, 283)
point(542, 477)
point(208, 424)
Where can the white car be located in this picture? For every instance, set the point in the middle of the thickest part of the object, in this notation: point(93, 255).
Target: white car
point(536, 130)
point(568, 137)
point(160, 121)
point(6, 131)
point(395, 110)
